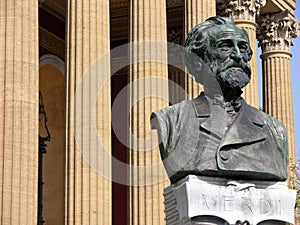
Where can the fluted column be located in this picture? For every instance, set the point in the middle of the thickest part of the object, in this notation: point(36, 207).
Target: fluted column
point(88, 193)
point(275, 38)
point(147, 23)
point(244, 14)
point(19, 81)
point(196, 12)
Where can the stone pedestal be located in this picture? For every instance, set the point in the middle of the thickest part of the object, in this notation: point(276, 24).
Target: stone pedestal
point(208, 200)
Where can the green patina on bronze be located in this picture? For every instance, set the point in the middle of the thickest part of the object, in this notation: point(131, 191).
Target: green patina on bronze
point(218, 133)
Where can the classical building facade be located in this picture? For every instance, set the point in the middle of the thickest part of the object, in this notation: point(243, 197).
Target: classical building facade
point(101, 67)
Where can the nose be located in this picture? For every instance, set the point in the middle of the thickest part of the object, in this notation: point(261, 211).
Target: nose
point(236, 54)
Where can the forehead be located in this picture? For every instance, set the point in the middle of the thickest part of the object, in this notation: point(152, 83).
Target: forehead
point(228, 32)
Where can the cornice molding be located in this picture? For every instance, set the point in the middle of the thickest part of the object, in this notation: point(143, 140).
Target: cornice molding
point(51, 42)
point(56, 8)
point(174, 3)
point(119, 4)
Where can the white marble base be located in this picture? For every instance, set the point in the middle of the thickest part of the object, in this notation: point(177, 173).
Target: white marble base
point(222, 201)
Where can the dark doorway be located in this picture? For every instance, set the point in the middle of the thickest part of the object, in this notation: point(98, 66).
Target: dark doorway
point(119, 152)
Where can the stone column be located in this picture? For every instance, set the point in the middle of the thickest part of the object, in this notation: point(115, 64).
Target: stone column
point(195, 12)
point(88, 193)
point(244, 14)
point(19, 81)
point(275, 38)
point(147, 23)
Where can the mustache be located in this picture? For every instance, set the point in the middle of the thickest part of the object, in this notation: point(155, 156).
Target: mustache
point(241, 64)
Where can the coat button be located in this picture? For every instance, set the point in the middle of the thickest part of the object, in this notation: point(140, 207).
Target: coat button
point(224, 155)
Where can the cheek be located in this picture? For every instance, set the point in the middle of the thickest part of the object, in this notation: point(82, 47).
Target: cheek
point(245, 57)
point(222, 57)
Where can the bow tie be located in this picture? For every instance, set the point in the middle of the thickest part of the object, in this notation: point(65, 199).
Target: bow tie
point(231, 107)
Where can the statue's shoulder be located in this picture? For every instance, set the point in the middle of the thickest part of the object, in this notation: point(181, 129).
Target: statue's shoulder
point(171, 117)
point(173, 111)
point(167, 122)
point(277, 129)
point(275, 126)
point(272, 123)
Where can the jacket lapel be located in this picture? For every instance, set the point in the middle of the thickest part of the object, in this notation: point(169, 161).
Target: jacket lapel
point(248, 127)
point(212, 123)
point(201, 106)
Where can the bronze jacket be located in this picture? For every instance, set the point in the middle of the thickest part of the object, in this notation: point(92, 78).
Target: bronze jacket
point(194, 140)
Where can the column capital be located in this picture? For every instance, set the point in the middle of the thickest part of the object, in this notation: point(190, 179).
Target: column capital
point(175, 36)
point(276, 31)
point(240, 9)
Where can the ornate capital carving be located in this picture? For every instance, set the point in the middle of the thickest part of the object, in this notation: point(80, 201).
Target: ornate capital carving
point(276, 31)
point(175, 36)
point(240, 9)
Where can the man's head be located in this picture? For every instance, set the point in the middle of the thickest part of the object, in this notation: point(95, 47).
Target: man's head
point(223, 47)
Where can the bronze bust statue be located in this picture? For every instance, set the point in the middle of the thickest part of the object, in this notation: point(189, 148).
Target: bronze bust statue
point(218, 133)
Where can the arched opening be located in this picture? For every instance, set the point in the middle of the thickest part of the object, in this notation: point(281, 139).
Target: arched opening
point(52, 89)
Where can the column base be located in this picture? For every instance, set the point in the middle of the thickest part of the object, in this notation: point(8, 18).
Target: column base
point(219, 201)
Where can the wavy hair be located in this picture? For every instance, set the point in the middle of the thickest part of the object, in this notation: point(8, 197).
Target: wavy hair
point(198, 43)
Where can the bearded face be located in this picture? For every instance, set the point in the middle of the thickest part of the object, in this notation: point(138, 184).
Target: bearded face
point(229, 57)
